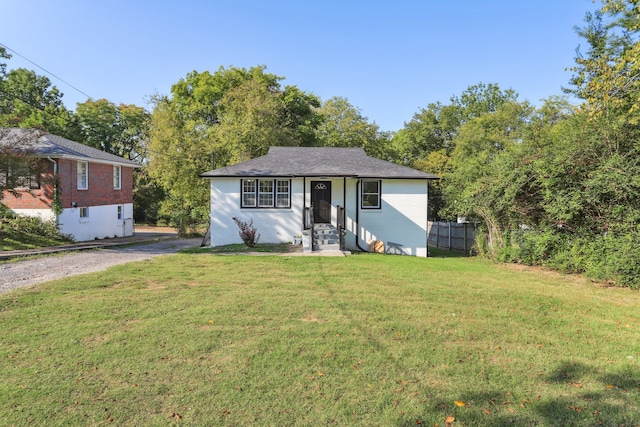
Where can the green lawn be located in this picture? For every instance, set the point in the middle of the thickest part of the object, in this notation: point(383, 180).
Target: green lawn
point(200, 339)
point(12, 240)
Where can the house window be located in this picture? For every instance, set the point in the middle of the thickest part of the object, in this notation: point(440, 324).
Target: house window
point(84, 212)
point(282, 193)
point(117, 175)
point(248, 193)
point(119, 212)
point(19, 175)
point(83, 175)
point(370, 195)
point(266, 193)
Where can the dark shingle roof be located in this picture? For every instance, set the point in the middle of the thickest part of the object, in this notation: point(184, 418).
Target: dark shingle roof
point(318, 161)
point(42, 144)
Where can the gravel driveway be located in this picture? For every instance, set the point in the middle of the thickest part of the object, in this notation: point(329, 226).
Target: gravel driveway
point(25, 273)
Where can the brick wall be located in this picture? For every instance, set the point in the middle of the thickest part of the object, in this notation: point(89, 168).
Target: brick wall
point(100, 190)
point(33, 199)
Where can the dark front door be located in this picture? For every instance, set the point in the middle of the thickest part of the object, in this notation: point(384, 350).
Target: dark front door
point(321, 201)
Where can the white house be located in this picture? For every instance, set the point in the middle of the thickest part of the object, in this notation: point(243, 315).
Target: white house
point(336, 198)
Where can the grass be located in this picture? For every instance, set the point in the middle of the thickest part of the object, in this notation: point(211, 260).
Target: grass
point(12, 239)
point(365, 340)
point(242, 248)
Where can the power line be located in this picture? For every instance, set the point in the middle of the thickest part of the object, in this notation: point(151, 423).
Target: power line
point(46, 71)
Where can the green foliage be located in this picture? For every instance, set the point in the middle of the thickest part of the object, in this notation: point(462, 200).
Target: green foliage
point(23, 232)
point(343, 125)
point(147, 197)
point(119, 130)
point(28, 100)
point(614, 258)
point(214, 120)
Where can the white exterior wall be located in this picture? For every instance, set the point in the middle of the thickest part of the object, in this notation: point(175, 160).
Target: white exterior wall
point(401, 223)
point(275, 225)
point(44, 214)
point(102, 222)
point(337, 195)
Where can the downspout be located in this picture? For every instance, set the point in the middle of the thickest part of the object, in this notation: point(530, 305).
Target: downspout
point(55, 185)
point(304, 202)
point(358, 216)
point(426, 234)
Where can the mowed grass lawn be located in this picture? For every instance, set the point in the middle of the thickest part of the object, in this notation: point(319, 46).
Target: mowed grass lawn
point(201, 339)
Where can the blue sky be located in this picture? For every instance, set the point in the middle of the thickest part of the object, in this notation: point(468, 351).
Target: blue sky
point(388, 58)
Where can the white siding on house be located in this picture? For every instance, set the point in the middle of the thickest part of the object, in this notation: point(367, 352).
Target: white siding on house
point(275, 225)
point(102, 222)
point(401, 223)
point(45, 214)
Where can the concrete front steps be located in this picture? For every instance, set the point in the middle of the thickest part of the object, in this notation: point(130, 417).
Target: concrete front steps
point(325, 238)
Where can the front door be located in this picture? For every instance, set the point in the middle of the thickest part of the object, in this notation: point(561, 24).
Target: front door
point(321, 201)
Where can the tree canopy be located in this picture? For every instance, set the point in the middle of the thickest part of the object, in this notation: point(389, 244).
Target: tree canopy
point(216, 119)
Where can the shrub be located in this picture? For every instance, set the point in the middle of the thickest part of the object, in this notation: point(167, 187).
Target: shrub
point(248, 233)
point(35, 225)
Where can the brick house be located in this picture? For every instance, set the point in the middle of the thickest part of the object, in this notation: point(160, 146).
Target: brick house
point(94, 189)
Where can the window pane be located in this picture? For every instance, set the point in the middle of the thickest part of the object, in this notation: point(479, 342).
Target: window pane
point(370, 200)
point(283, 201)
point(266, 200)
point(249, 200)
point(266, 186)
point(370, 186)
point(249, 185)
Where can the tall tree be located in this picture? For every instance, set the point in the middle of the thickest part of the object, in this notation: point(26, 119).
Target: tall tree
point(607, 75)
point(344, 125)
point(29, 100)
point(119, 130)
point(231, 115)
point(482, 166)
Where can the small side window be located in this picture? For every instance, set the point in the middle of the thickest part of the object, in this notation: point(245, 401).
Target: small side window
point(370, 195)
point(83, 175)
point(117, 176)
point(84, 212)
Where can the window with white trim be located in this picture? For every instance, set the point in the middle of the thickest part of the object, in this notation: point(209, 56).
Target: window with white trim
point(282, 193)
point(83, 175)
point(248, 193)
point(84, 212)
point(117, 176)
point(370, 194)
point(266, 193)
point(119, 212)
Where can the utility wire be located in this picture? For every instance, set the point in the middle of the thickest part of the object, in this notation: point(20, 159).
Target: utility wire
point(46, 71)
